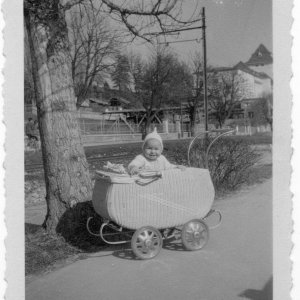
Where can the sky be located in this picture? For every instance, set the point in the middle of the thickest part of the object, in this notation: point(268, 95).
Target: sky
point(235, 28)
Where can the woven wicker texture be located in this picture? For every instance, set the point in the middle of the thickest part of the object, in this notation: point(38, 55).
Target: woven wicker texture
point(175, 199)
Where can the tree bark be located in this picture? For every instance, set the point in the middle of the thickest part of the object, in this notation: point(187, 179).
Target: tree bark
point(147, 125)
point(193, 115)
point(65, 166)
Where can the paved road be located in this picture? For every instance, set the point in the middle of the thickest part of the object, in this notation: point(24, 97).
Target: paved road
point(235, 264)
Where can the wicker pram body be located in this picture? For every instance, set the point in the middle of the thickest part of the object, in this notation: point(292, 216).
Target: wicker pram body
point(170, 201)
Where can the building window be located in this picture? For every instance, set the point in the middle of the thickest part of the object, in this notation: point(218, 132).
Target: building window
point(238, 106)
point(250, 114)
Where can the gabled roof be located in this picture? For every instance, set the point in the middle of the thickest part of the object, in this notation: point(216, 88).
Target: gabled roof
point(261, 56)
point(220, 69)
point(243, 67)
point(107, 101)
point(120, 99)
point(99, 101)
point(119, 95)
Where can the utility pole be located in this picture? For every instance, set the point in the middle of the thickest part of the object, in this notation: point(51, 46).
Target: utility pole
point(204, 69)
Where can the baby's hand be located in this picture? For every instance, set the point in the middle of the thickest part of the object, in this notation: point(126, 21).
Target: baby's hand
point(182, 168)
point(134, 170)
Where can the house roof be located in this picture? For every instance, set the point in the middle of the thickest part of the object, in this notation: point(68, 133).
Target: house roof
point(221, 69)
point(99, 101)
point(243, 67)
point(261, 56)
point(119, 95)
point(120, 99)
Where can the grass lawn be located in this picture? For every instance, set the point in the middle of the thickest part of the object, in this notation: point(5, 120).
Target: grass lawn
point(44, 252)
point(135, 148)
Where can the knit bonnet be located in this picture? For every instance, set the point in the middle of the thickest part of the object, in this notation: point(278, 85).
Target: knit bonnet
point(153, 135)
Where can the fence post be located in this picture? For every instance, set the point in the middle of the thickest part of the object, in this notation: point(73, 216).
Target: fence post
point(165, 126)
point(177, 126)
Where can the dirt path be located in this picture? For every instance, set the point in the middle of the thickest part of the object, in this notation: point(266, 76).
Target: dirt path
point(236, 263)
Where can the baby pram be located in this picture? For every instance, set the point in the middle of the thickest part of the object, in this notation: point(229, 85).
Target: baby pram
point(144, 206)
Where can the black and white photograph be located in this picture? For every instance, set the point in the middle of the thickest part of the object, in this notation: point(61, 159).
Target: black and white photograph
point(154, 146)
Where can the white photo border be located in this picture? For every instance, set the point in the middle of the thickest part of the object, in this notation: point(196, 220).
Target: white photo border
point(14, 147)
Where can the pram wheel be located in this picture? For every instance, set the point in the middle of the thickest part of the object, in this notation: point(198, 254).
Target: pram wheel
point(146, 242)
point(194, 234)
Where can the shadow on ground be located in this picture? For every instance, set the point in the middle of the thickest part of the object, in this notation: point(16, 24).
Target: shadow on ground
point(43, 251)
point(125, 253)
point(265, 294)
point(73, 241)
point(174, 246)
point(72, 227)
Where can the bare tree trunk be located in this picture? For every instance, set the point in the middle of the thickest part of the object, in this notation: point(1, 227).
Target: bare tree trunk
point(193, 129)
point(193, 116)
point(220, 123)
point(147, 127)
point(66, 170)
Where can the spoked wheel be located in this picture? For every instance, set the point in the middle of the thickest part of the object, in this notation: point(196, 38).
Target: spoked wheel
point(194, 235)
point(146, 242)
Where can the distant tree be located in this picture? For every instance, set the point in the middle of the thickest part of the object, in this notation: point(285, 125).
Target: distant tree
point(161, 81)
point(106, 90)
point(136, 69)
point(263, 111)
point(225, 92)
point(181, 83)
point(197, 99)
point(121, 73)
point(196, 102)
point(93, 45)
point(152, 90)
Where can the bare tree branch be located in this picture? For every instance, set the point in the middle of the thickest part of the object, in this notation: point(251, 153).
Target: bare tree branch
point(93, 47)
point(139, 16)
point(68, 4)
point(224, 95)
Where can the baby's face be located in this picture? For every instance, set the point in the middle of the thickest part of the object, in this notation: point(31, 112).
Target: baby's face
point(152, 149)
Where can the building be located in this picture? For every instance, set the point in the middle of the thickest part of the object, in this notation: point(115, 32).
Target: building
point(252, 84)
point(253, 79)
point(261, 61)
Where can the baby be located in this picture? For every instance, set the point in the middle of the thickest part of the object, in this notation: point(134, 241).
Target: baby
point(151, 159)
